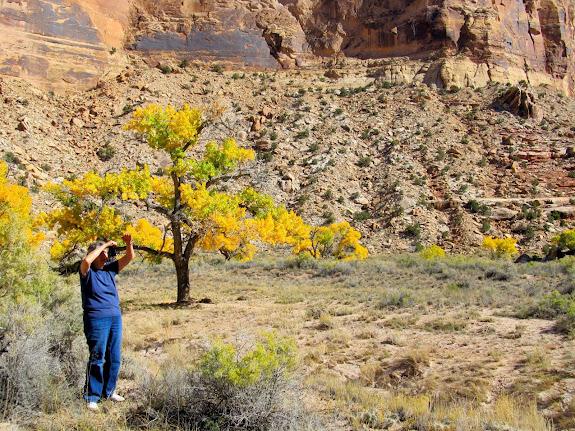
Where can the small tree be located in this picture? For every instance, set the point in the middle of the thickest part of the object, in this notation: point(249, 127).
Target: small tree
point(338, 240)
point(500, 247)
point(18, 238)
point(185, 194)
point(565, 240)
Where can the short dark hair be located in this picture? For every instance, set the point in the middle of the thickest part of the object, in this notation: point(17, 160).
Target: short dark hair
point(94, 246)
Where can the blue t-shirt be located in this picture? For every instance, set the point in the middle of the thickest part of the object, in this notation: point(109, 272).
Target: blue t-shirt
point(99, 292)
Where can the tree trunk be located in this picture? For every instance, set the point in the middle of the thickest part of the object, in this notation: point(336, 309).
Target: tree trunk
point(183, 276)
point(181, 261)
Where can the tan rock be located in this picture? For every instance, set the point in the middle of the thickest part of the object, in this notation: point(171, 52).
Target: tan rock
point(263, 145)
point(258, 122)
point(503, 214)
point(76, 122)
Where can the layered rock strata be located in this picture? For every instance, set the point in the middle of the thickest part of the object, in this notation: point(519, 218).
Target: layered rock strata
point(70, 43)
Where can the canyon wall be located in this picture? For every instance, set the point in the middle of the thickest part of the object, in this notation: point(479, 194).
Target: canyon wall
point(69, 44)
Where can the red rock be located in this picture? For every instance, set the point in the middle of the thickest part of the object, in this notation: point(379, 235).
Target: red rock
point(466, 41)
point(23, 125)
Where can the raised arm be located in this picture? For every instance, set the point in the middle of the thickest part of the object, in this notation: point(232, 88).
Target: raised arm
point(127, 258)
point(93, 255)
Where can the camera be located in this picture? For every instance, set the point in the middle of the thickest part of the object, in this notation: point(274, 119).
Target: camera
point(112, 253)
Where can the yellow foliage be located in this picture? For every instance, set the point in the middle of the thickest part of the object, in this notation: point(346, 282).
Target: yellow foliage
point(338, 240)
point(146, 234)
point(166, 128)
point(281, 226)
point(565, 239)
point(79, 225)
point(16, 223)
point(185, 194)
point(500, 247)
point(433, 252)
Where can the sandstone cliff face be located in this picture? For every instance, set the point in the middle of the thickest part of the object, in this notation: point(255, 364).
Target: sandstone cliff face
point(504, 40)
point(61, 44)
point(65, 43)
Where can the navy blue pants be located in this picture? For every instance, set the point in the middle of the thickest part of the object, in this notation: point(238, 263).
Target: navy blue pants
point(104, 338)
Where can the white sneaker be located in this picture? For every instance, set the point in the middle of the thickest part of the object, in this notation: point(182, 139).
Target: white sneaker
point(91, 405)
point(116, 398)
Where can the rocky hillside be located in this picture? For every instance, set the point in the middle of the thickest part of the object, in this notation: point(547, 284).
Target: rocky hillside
point(406, 164)
point(69, 45)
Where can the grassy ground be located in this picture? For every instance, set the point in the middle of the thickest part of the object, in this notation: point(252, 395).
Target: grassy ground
point(394, 342)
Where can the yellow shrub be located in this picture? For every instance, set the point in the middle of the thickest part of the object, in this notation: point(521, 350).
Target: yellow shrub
point(433, 252)
point(565, 239)
point(500, 247)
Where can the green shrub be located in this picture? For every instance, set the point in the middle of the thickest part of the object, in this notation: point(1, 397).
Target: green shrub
point(397, 211)
point(413, 230)
point(11, 158)
point(362, 215)
point(230, 389)
point(268, 360)
point(328, 195)
point(394, 299)
point(559, 307)
point(266, 157)
point(39, 323)
point(364, 162)
point(554, 305)
point(302, 199)
point(106, 152)
point(302, 134)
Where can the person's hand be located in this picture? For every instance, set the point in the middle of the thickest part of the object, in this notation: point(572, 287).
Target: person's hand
point(127, 238)
point(112, 244)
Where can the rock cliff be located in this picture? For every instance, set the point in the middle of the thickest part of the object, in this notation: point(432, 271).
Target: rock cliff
point(70, 44)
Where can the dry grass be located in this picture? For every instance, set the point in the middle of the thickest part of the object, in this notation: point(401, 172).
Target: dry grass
point(387, 344)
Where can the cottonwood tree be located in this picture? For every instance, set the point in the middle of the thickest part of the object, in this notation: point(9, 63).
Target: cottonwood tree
point(338, 240)
point(21, 276)
point(185, 195)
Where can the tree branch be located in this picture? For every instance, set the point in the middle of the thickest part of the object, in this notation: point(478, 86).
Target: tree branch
point(158, 208)
point(216, 180)
point(154, 252)
point(191, 244)
point(189, 144)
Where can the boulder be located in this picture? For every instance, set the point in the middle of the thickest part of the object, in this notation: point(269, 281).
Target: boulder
point(520, 101)
point(503, 214)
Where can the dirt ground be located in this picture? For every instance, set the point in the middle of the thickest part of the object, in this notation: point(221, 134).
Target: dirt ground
point(349, 327)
